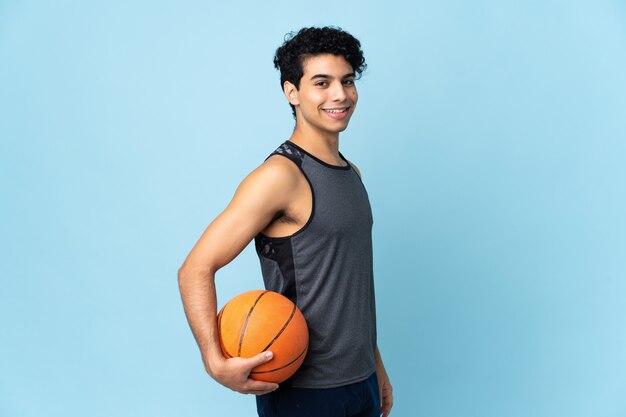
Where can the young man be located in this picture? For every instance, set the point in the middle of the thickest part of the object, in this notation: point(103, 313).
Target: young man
point(309, 214)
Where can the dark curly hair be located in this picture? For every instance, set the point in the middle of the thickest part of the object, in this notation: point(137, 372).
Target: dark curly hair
point(290, 56)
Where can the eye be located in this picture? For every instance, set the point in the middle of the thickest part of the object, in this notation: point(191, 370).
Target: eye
point(348, 82)
point(321, 83)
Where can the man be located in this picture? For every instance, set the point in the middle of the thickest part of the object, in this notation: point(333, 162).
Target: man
point(309, 214)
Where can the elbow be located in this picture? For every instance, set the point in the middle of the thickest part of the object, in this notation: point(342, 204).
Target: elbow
point(182, 272)
point(187, 272)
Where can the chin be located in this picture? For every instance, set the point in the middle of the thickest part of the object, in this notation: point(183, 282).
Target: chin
point(336, 129)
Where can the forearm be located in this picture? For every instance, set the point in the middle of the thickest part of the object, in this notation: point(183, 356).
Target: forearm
point(378, 358)
point(384, 385)
point(197, 289)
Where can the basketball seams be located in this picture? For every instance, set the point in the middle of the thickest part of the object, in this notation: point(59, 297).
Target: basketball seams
point(284, 366)
point(245, 324)
point(219, 332)
point(293, 312)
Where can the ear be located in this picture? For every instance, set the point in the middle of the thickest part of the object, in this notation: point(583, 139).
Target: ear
point(291, 92)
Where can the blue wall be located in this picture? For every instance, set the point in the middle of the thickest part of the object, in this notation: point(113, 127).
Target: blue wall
point(491, 137)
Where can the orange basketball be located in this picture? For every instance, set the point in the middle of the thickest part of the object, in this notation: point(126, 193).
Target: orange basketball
point(260, 320)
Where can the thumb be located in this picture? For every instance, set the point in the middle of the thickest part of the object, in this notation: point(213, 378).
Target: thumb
point(260, 359)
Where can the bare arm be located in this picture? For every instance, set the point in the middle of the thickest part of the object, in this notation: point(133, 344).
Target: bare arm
point(384, 386)
point(257, 200)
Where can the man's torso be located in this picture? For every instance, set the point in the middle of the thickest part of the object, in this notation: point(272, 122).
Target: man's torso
point(318, 253)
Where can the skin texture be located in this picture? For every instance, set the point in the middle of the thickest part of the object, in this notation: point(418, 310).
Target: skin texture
point(274, 199)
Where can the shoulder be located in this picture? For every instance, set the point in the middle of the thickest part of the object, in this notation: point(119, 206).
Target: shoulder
point(279, 169)
point(276, 175)
point(355, 168)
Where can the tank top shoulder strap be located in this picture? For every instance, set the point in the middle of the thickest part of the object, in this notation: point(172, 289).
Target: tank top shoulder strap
point(289, 151)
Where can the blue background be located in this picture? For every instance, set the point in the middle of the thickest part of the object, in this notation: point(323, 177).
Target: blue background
point(491, 137)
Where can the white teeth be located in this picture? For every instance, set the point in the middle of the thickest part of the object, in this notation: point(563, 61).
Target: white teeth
point(334, 110)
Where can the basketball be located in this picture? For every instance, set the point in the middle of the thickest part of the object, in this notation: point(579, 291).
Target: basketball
point(261, 320)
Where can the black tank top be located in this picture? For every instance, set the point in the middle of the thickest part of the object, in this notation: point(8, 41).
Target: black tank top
point(326, 269)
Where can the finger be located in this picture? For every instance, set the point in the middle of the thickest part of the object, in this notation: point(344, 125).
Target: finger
point(387, 406)
point(257, 392)
point(259, 359)
point(261, 392)
point(253, 385)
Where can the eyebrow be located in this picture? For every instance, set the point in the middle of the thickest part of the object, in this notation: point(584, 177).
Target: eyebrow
point(351, 74)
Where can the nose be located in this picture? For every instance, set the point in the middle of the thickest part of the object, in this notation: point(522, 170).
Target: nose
point(338, 92)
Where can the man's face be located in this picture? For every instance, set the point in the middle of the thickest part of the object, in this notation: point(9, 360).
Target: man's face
point(327, 95)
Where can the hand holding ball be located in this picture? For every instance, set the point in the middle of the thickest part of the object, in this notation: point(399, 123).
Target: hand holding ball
point(257, 321)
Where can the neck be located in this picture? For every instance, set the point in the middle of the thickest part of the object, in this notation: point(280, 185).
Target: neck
point(324, 145)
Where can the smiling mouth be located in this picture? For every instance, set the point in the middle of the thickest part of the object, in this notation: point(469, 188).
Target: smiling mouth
point(336, 111)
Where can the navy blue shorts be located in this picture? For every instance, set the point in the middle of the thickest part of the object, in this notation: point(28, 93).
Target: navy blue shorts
point(360, 399)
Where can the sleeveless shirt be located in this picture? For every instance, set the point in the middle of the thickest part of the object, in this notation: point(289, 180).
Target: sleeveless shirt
point(326, 269)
